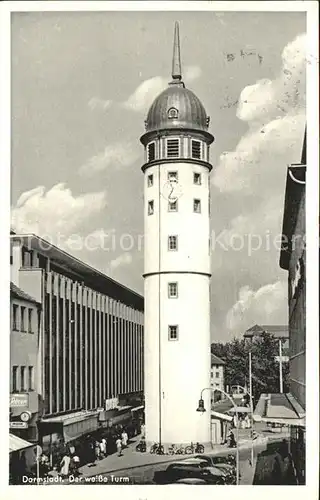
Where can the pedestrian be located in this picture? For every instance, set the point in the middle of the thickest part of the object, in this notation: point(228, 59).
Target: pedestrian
point(124, 438)
point(75, 463)
point(97, 451)
point(143, 430)
point(65, 465)
point(235, 421)
point(103, 447)
point(119, 446)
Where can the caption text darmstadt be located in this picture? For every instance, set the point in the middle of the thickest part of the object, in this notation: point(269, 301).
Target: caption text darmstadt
point(99, 478)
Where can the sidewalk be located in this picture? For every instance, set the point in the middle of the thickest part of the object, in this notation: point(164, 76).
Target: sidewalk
point(133, 459)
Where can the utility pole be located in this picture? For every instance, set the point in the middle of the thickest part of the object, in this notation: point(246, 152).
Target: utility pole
point(251, 404)
point(280, 366)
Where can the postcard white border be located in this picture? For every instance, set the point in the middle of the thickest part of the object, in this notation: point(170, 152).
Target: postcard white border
point(150, 492)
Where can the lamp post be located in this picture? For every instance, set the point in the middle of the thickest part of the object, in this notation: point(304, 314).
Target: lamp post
point(251, 404)
point(202, 409)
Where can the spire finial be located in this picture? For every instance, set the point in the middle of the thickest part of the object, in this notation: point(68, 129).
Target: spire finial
point(176, 62)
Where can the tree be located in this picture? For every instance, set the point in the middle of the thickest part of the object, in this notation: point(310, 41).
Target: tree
point(265, 370)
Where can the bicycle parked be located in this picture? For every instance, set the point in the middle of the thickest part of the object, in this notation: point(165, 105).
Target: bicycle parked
point(194, 448)
point(157, 449)
point(141, 446)
point(176, 450)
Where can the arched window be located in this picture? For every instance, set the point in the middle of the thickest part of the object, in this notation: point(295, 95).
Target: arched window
point(173, 113)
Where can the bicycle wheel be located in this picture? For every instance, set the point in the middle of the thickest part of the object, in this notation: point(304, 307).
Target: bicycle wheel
point(188, 450)
point(160, 450)
point(153, 448)
point(171, 451)
point(200, 448)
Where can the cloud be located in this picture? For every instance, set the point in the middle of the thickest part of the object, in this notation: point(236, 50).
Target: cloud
point(263, 306)
point(54, 213)
point(123, 260)
point(267, 98)
point(100, 104)
point(275, 113)
point(144, 95)
point(142, 98)
point(114, 155)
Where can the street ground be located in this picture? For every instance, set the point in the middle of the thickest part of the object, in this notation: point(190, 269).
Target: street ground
point(138, 468)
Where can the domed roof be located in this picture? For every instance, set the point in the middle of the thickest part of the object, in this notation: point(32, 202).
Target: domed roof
point(176, 107)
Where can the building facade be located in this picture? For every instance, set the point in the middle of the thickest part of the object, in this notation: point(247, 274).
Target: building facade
point(91, 333)
point(290, 408)
point(217, 376)
point(177, 263)
point(25, 315)
point(293, 259)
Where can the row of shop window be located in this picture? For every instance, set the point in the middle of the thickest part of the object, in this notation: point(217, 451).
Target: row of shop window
point(22, 318)
point(174, 149)
point(21, 384)
point(173, 177)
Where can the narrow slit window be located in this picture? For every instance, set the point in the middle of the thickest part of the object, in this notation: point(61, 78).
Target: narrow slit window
point(30, 315)
point(173, 290)
point(30, 378)
point(151, 151)
point(15, 310)
point(15, 378)
point(150, 180)
point(172, 148)
point(22, 378)
point(150, 207)
point(196, 149)
point(173, 176)
point(197, 206)
point(197, 178)
point(173, 242)
point(22, 319)
point(173, 332)
point(173, 206)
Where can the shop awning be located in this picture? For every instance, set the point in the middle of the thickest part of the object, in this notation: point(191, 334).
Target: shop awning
point(16, 443)
point(72, 425)
point(221, 416)
point(279, 409)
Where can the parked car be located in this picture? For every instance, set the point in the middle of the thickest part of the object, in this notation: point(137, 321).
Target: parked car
point(190, 480)
point(219, 462)
point(191, 468)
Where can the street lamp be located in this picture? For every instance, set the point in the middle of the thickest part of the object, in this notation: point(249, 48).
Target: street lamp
point(202, 409)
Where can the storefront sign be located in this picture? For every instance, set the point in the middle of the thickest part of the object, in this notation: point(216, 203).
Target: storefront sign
point(19, 400)
point(112, 403)
point(18, 425)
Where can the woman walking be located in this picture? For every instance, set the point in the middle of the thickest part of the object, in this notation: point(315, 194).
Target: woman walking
point(64, 466)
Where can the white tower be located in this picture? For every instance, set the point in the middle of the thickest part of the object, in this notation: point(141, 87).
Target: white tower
point(177, 264)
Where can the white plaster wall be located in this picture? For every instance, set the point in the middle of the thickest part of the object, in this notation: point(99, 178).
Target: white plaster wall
point(185, 363)
point(193, 229)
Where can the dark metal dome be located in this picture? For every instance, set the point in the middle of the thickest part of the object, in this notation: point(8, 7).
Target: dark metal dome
point(177, 107)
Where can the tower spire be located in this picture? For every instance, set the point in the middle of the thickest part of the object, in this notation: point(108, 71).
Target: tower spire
point(176, 62)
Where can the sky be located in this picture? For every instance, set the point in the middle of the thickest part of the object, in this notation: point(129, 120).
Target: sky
point(81, 87)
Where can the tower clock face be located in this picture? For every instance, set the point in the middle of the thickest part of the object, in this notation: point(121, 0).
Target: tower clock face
point(172, 190)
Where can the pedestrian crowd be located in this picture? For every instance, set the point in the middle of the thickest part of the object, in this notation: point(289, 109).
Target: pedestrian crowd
point(91, 452)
